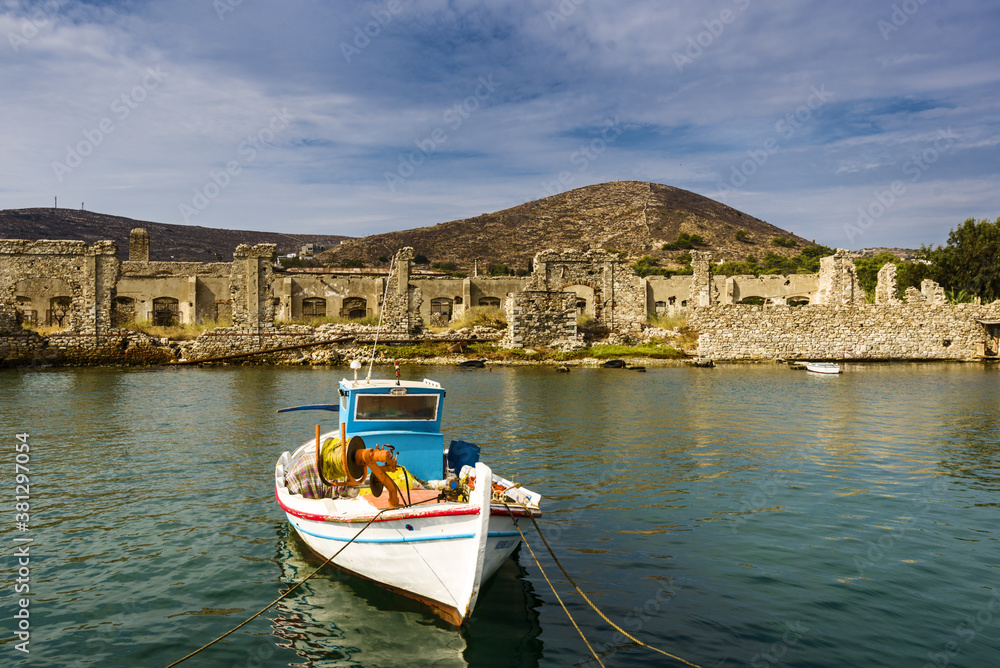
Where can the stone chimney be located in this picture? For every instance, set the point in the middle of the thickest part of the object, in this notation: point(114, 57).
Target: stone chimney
point(138, 245)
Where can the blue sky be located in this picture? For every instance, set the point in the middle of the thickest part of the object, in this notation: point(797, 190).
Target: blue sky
point(854, 123)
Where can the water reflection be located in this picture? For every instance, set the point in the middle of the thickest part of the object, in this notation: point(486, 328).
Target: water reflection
point(336, 619)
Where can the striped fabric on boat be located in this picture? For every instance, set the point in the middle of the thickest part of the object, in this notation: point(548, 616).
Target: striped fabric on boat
point(303, 478)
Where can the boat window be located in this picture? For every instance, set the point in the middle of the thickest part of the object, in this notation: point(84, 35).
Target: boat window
point(387, 407)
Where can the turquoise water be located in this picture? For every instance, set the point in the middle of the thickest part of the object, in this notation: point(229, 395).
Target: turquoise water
point(744, 515)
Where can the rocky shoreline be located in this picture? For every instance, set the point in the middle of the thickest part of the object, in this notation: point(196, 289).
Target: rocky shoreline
point(331, 345)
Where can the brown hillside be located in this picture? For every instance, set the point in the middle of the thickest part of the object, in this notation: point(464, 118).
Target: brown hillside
point(630, 216)
point(182, 243)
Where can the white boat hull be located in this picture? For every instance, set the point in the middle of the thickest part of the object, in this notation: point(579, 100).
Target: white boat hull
point(823, 367)
point(439, 553)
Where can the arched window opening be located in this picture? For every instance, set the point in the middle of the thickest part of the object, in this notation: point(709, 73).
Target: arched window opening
point(354, 308)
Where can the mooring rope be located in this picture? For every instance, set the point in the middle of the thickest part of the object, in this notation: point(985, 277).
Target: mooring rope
point(554, 592)
point(585, 597)
point(277, 600)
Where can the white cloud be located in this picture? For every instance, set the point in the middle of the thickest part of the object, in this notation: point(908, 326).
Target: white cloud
point(558, 79)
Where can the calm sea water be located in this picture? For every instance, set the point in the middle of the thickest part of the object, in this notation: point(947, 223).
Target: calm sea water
point(744, 515)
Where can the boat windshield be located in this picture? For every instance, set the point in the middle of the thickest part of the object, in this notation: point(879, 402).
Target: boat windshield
point(388, 407)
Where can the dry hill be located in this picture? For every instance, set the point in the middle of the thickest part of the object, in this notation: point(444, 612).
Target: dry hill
point(187, 243)
point(630, 216)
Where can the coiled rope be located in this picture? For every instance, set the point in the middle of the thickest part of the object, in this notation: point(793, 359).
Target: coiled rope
point(585, 597)
point(277, 600)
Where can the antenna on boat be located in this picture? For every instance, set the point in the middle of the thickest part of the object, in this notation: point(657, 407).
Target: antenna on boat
point(381, 312)
point(355, 364)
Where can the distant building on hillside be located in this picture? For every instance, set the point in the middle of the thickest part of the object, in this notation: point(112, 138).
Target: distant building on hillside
point(308, 250)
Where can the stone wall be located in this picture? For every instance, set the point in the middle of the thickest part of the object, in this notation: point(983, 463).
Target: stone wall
point(250, 285)
point(341, 295)
point(541, 318)
point(33, 272)
point(616, 296)
point(838, 281)
point(138, 245)
point(868, 331)
point(9, 319)
point(887, 288)
point(67, 348)
point(775, 288)
point(401, 307)
point(704, 292)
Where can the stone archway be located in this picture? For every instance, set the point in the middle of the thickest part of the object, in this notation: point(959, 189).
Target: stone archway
point(354, 308)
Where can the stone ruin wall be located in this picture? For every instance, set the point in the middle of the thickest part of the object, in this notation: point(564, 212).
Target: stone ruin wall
point(87, 274)
point(834, 332)
point(401, 305)
point(838, 281)
point(250, 285)
point(838, 324)
point(541, 318)
point(615, 296)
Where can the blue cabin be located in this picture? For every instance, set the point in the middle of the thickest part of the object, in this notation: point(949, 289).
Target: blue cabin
point(403, 414)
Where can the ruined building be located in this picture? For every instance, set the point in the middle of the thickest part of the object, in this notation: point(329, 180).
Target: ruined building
point(85, 293)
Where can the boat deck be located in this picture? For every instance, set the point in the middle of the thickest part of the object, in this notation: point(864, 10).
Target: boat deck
point(423, 497)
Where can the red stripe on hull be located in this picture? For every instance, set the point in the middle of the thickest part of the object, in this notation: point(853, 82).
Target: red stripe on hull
point(445, 512)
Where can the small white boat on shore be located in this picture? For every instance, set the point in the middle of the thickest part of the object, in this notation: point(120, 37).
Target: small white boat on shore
point(431, 524)
point(823, 367)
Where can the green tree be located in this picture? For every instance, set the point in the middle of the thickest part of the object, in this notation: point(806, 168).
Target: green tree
point(685, 240)
point(907, 273)
point(498, 269)
point(649, 266)
point(867, 269)
point(970, 261)
point(911, 274)
point(779, 264)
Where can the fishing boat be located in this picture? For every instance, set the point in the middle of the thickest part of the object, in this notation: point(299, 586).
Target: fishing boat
point(823, 367)
point(430, 523)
